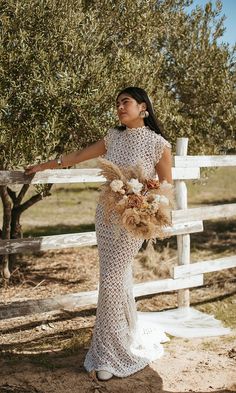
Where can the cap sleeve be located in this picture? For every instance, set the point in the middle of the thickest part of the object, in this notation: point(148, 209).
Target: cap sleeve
point(159, 145)
point(108, 137)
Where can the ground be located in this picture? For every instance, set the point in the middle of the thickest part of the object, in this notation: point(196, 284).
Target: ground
point(44, 352)
point(187, 365)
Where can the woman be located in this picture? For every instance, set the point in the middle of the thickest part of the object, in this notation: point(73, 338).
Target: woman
point(120, 346)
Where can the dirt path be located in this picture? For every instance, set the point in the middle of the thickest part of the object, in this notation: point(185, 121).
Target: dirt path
point(196, 365)
point(44, 353)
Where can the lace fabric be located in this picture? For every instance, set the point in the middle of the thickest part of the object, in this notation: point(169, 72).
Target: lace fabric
point(126, 147)
point(120, 344)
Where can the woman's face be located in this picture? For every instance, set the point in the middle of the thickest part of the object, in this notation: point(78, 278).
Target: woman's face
point(128, 109)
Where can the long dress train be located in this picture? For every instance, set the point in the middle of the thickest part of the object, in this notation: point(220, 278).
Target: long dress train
point(124, 340)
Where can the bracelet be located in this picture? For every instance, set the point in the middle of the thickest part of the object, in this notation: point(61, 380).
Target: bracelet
point(59, 160)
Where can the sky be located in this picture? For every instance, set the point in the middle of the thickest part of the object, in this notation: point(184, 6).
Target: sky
point(229, 9)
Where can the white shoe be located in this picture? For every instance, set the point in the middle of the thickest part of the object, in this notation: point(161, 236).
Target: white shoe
point(104, 375)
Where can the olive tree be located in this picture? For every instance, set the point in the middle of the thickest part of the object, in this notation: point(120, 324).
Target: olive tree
point(62, 64)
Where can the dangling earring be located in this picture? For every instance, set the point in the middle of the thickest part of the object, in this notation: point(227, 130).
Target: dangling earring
point(144, 114)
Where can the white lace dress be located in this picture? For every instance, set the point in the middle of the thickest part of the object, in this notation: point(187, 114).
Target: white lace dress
point(120, 344)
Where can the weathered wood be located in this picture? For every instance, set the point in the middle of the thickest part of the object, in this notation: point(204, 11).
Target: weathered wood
point(203, 267)
point(183, 241)
point(166, 285)
point(186, 173)
point(185, 221)
point(34, 244)
point(81, 299)
point(43, 243)
point(52, 176)
point(203, 161)
point(84, 175)
point(204, 213)
point(187, 227)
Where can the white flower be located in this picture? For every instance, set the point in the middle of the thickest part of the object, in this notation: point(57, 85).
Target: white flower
point(160, 199)
point(165, 185)
point(135, 186)
point(164, 200)
point(157, 198)
point(116, 186)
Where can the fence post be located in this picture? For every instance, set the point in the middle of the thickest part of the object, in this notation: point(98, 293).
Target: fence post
point(183, 241)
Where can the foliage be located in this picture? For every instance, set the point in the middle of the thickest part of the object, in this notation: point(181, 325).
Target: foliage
point(62, 64)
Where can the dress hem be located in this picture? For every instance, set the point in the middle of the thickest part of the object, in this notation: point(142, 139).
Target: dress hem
point(115, 373)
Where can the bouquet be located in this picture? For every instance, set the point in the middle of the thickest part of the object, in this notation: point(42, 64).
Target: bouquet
point(141, 205)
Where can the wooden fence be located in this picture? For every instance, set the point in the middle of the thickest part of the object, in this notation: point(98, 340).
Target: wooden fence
point(185, 221)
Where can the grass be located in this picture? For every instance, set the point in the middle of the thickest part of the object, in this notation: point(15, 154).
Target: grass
point(222, 310)
point(212, 190)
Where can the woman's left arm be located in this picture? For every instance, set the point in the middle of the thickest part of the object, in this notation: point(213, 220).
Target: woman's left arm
point(164, 166)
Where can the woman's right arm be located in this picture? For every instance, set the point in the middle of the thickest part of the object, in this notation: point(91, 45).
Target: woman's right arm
point(92, 151)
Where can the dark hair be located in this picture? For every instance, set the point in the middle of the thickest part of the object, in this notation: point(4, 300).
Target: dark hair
point(140, 95)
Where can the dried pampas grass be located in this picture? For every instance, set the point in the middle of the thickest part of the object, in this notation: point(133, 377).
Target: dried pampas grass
point(142, 206)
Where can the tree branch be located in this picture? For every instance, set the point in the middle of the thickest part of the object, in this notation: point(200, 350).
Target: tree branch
point(12, 194)
point(22, 193)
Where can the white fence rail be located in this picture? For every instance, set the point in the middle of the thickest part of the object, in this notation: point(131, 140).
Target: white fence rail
point(185, 221)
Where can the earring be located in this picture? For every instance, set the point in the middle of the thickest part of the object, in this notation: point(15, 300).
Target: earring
point(144, 114)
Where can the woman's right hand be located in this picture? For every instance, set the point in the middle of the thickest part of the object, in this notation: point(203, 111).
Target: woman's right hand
point(33, 169)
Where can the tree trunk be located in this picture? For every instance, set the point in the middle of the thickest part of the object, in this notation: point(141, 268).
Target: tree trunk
point(6, 229)
point(12, 210)
point(16, 233)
